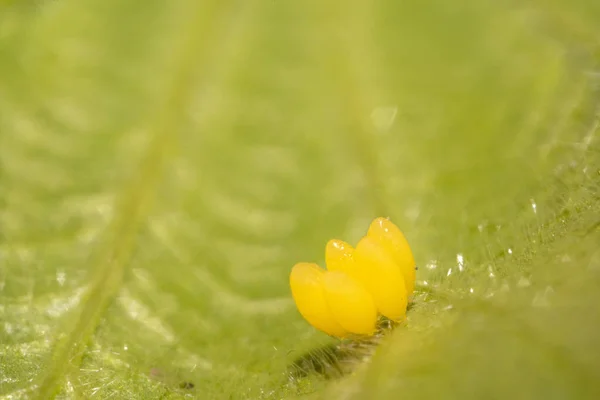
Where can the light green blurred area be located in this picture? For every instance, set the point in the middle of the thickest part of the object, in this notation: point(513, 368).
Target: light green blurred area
point(164, 164)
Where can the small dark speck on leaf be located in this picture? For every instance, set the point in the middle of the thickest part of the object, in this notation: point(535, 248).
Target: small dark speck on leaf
point(186, 385)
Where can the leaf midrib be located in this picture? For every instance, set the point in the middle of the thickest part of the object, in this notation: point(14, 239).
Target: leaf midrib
point(133, 206)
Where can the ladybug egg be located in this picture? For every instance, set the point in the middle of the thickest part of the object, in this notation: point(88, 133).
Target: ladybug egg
point(339, 255)
point(382, 278)
point(350, 303)
point(393, 241)
point(306, 282)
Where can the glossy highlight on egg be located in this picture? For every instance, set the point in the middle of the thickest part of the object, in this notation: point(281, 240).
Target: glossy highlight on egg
point(377, 277)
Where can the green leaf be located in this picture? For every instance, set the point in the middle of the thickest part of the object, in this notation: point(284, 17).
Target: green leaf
point(164, 164)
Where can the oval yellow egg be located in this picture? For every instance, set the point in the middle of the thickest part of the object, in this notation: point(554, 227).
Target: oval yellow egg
point(306, 282)
point(350, 303)
point(339, 255)
point(382, 278)
point(392, 239)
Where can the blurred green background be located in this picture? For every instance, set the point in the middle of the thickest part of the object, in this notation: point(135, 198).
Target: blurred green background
point(163, 164)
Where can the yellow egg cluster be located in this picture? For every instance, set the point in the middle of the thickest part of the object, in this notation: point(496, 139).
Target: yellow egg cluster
point(376, 277)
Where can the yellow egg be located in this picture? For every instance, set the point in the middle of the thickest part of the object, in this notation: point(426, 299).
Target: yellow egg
point(339, 255)
point(392, 239)
point(380, 275)
point(306, 282)
point(350, 303)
